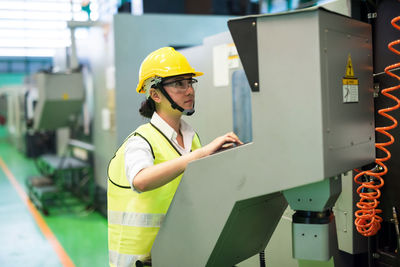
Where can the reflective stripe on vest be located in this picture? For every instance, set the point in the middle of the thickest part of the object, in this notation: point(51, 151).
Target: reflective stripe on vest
point(135, 219)
point(123, 260)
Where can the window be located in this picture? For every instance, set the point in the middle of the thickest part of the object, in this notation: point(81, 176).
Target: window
point(36, 28)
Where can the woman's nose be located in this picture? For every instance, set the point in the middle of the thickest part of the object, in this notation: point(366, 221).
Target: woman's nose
point(190, 90)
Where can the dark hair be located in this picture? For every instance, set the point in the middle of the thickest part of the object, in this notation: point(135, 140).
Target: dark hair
point(147, 108)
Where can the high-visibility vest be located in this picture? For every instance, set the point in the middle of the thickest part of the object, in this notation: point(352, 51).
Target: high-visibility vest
point(134, 219)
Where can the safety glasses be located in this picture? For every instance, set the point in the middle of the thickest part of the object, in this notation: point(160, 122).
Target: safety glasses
point(180, 86)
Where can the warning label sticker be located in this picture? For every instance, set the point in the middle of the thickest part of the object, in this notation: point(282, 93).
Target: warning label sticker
point(350, 83)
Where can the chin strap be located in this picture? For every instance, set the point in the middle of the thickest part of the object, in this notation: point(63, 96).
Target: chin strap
point(187, 112)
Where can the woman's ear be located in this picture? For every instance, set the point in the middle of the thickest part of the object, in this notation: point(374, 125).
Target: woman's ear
point(155, 95)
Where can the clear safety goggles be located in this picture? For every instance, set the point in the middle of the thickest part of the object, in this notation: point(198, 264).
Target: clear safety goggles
point(180, 86)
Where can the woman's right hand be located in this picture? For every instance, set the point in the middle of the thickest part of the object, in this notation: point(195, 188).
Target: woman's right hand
point(223, 141)
point(160, 174)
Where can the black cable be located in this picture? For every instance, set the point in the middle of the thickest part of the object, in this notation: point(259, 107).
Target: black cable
point(262, 259)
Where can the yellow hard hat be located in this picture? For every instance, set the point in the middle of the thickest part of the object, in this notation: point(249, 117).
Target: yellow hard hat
point(164, 62)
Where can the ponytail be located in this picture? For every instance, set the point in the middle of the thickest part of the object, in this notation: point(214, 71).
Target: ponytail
point(147, 108)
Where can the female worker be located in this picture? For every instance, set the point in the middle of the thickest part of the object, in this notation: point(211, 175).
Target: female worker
point(146, 170)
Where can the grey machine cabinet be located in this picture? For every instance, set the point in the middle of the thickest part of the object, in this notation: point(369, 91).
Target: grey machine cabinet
point(61, 97)
point(228, 204)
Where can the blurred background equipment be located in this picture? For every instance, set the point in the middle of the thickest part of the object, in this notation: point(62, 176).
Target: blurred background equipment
point(60, 99)
point(56, 101)
point(64, 178)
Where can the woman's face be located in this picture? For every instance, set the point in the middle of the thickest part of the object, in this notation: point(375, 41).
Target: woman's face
point(180, 89)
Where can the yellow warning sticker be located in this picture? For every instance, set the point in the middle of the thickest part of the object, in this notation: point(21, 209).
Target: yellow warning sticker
point(349, 68)
point(350, 83)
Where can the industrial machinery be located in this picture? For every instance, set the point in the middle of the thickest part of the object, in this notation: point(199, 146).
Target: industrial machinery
point(60, 99)
point(59, 105)
point(309, 124)
point(53, 104)
point(65, 180)
point(12, 113)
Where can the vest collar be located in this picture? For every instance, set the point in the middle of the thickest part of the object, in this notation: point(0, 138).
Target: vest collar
point(186, 130)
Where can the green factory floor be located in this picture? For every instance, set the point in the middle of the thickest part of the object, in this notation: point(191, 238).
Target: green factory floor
point(82, 233)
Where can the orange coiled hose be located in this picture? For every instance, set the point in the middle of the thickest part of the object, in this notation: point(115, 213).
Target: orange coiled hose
point(367, 221)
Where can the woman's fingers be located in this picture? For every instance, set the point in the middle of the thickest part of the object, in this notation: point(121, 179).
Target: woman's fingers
point(234, 137)
point(227, 145)
point(224, 141)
